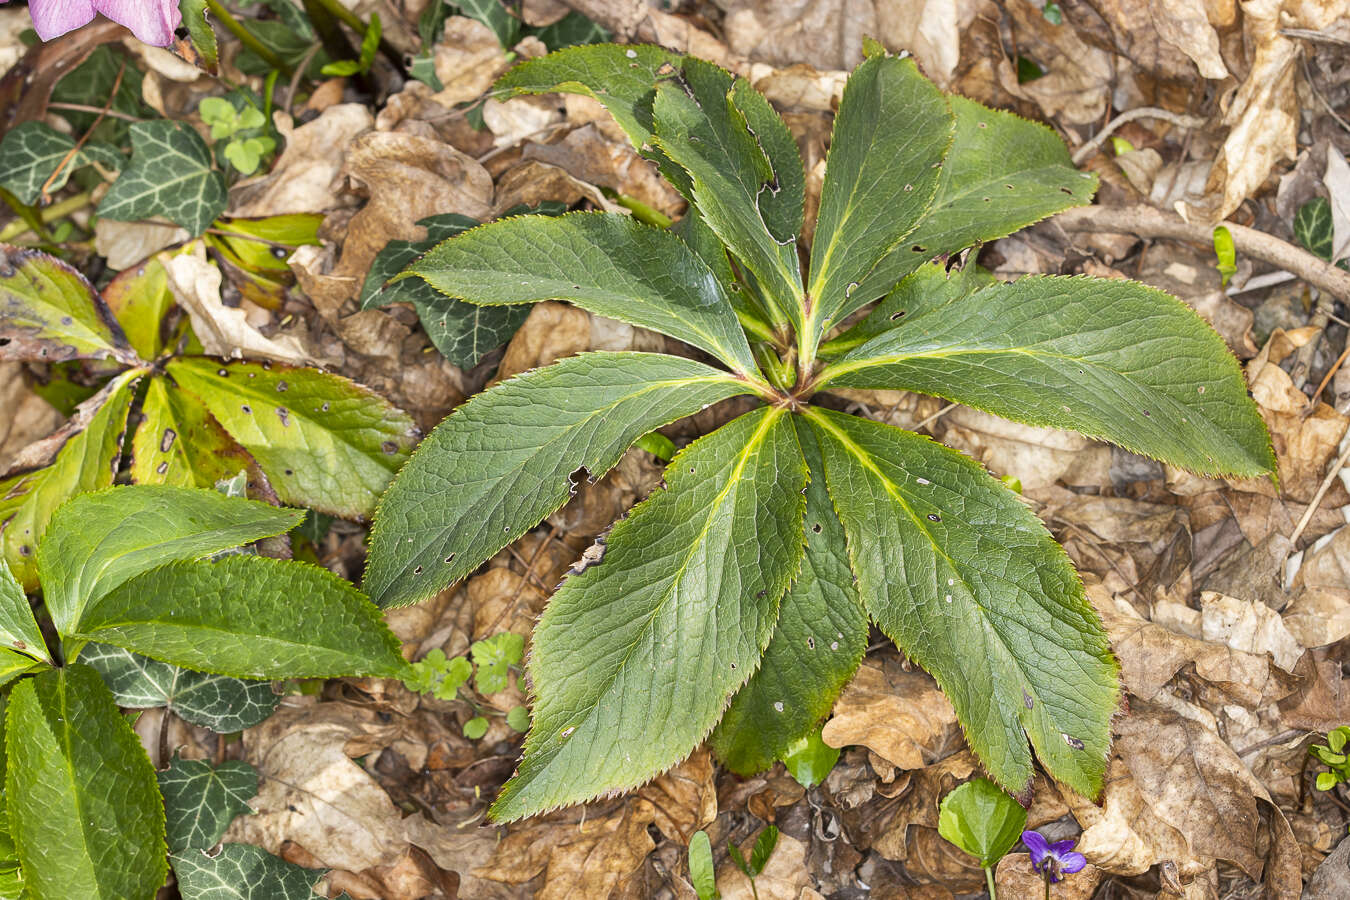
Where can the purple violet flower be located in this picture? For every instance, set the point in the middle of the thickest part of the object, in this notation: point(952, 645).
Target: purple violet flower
point(153, 21)
point(1053, 860)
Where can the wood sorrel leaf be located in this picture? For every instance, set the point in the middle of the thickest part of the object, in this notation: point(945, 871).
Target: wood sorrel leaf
point(18, 629)
point(1002, 174)
point(249, 617)
point(83, 802)
point(1112, 359)
point(169, 175)
point(892, 131)
point(981, 819)
point(90, 448)
point(324, 442)
point(747, 179)
point(515, 453)
point(970, 584)
point(603, 262)
point(201, 801)
point(678, 614)
point(218, 702)
point(816, 645)
point(241, 872)
point(49, 312)
point(98, 541)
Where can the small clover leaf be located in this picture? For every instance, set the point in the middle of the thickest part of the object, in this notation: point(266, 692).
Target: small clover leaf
point(494, 656)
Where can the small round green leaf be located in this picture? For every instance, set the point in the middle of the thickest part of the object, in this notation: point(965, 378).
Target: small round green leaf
point(982, 820)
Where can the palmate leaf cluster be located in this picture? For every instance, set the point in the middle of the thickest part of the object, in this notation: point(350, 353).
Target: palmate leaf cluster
point(733, 604)
point(137, 581)
point(303, 436)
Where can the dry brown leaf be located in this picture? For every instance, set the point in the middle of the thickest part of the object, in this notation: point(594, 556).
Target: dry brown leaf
point(552, 331)
point(785, 876)
point(468, 59)
point(1263, 116)
point(1331, 881)
point(587, 154)
point(532, 182)
point(407, 178)
point(1037, 456)
point(901, 716)
point(1249, 627)
point(27, 416)
point(1078, 76)
point(224, 331)
point(1017, 880)
point(302, 179)
point(1320, 612)
point(127, 243)
point(1159, 36)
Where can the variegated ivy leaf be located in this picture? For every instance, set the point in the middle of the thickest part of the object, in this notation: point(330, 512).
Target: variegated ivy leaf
point(170, 175)
point(34, 156)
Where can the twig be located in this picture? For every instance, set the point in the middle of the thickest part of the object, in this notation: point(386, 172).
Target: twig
point(1147, 222)
point(1319, 37)
point(935, 416)
point(1321, 492)
point(73, 151)
point(1086, 151)
point(110, 113)
point(300, 71)
point(1312, 89)
point(1326, 379)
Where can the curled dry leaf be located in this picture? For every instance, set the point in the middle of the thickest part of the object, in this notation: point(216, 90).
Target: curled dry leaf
point(785, 876)
point(1319, 614)
point(1263, 117)
point(224, 331)
point(28, 415)
point(127, 243)
point(303, 179)
point(1037, 456)
point(901, 716)
point(1016, 878)
point(1250, 627)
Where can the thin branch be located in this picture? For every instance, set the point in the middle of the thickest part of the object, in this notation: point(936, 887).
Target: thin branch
point(74, 151)
point(1148, 222)
point(1321, 493)
point(1086, 151)
point(110, 113)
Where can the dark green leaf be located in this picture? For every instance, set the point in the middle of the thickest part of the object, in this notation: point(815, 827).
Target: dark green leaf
point(702, 872)
point(83, 802)
point(1312, 228)
point(169, 175)
point(603, 262)
point(91, 83)
point(241, 872)
point(930, 285)
point(31, 153)
point(747, 179)
point(98, 541)
point(325, 442)
point(249, 617)
point(1113, 359)
point(11, 874)
point(982, 820)
point(218, 702)
point(1002, 173)
point(572, 30)
point(91, 446)
point(502, 461)
point(678, 613)
point(816, 646)
point(495, 16)
point(200, 802)
point(49, 312)
point(970, 584)
point(18, 629)
point(892, 131)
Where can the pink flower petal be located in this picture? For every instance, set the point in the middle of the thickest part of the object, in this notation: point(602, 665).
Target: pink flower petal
point(153, 21)
point(53, 18)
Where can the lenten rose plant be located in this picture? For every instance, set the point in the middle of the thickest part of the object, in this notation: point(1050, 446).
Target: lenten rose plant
point(733, 603)
point(152, 21)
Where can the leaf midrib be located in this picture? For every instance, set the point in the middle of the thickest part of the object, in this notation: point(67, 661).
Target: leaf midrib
point(751, 447)
point(514, 471)
point(894, 491)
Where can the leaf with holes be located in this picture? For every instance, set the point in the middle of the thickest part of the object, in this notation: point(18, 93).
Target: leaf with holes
point(49, 313)
point(734, 602)
point(324, 442)
point(169, 175)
